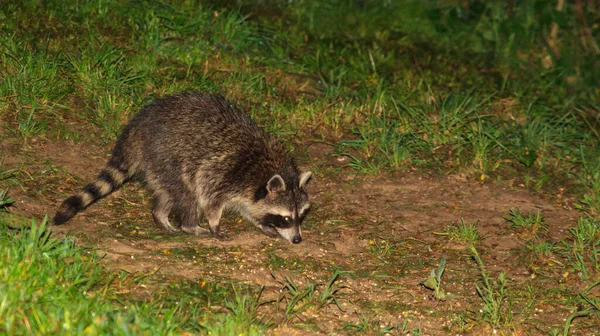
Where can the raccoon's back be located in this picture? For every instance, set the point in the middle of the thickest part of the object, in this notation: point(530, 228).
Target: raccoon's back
point(194, 117)
point(189, 132)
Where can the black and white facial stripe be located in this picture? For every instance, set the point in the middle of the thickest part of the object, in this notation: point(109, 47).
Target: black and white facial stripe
point(283, 221)
point(284, 218)
point(278, 221)
point(285, 225)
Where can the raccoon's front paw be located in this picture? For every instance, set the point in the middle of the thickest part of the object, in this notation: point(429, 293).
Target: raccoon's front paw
point(222, 236)
point(269, 231)
point(217, 233)
point(197, 231)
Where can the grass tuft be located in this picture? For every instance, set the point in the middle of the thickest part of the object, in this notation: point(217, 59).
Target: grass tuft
point(528, 225)
point(5, 200)
point(583, 247)
point(465, 233)
point(297, 300)
point(497, 304)
point(49, 286)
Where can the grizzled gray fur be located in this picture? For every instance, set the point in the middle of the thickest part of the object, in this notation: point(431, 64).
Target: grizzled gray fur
point(200, 155)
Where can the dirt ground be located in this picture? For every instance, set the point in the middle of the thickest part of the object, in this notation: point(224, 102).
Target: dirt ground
point(384, 232)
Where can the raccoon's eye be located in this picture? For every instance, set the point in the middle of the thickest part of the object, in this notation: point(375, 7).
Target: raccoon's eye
point(287, 219)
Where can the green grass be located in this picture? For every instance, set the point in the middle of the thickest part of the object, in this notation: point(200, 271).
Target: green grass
point(295, 299)
point(504, 103)
point(364, 325)
point(381, 248)
point(591, 304)
point(376, 327)
point(465, 233)
point(541, 247)
point(49, 286)
point(582, 248)
point(528, 225)
point(495, 294)
point(5, 200)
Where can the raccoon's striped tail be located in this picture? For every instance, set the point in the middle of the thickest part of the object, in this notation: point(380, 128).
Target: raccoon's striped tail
point(109, 180)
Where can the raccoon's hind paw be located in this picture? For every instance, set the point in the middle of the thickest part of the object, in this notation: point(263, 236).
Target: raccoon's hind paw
point(197, 231)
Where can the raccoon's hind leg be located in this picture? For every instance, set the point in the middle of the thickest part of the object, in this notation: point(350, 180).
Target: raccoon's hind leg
point(162, 208)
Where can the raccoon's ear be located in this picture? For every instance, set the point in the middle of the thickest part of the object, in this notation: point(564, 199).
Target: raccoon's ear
point(276, 184)
point(304, 179)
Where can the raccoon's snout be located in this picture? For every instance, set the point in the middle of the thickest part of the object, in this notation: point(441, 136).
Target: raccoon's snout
point(292, 234)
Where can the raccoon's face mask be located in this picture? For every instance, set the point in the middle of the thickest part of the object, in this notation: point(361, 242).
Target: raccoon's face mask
point(285, 207)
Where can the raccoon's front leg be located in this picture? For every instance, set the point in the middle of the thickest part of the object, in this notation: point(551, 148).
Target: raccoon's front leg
point(213, 216)
point(269, 231)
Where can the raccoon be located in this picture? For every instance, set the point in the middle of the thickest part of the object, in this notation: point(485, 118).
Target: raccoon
point(200, 155)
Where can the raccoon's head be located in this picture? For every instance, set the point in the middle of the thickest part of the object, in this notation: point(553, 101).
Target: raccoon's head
point(283, 207)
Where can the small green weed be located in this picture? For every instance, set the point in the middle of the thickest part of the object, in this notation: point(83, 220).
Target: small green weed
point(7, 174)
point(244, 308)
point(484, 140)
point(583, 249)
point(299, 299)
point(404, 329)
point(434, 282)
point(5, 200)
point(462, 322)
point(28, 127)
point(376, 327)
point(528, 225)
point(10, 177)
point(590, 202)
point(380, 248)
point(366, 325)
point(330, 294)
point(228, 324)
point(465, 233)
point(590, 177)
point(541, 247)
point(497, 305)
point(592, 309)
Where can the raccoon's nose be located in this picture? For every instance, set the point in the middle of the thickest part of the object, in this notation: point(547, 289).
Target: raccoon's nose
point(297, 240)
